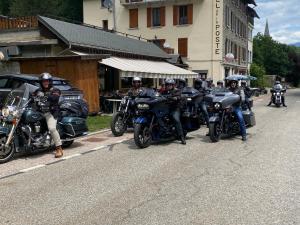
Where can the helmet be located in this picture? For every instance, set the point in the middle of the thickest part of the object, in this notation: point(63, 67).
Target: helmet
point(209, 80)
point(220, 82)
point(198, 83)
point(277, 82)
point(45, 76)
point(181, 83)
point(243, 83)
point(136, 79)
point(170, 81)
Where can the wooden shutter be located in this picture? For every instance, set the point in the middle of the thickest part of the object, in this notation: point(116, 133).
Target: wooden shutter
point(175, 15)
point(149, 17)
point(183, 47)
point(133, 18)
point(190, 14)
point(162, 16)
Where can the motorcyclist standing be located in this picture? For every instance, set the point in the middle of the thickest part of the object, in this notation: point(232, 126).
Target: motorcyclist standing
point(233, 87)
point(200, 85)
point(278, 86)
point(50, 109)
point(174, 95)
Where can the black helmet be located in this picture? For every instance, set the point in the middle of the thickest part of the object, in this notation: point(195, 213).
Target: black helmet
point(198, 83)
point(181, 83)
point(45, 76)
point(220, 82)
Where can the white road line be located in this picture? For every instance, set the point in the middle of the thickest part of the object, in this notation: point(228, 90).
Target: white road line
point(32, 168)
point(119, 142)
point(72, 156)
point(99, 148)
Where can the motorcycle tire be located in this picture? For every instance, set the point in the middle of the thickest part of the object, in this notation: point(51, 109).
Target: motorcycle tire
point(5, 157)
point(142, 136)
point(67, 144)
point(214, 133)
point(117, 132)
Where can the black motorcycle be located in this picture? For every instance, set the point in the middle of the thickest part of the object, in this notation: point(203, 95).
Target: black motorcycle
point(277, 95)
point(124, 117)
point(224, 121)
point(24, 129)
point(154, 123)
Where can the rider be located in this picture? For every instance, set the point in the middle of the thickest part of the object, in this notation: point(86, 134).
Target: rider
point(136, 88)
point(233, 87)
point(247, 92)
point(174, 95)
point(278, 86)
point(181, 83)
point(220, 84)
point(51, 109)
point(199, 84)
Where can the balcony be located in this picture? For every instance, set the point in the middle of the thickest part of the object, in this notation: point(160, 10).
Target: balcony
point(140, 2)
point(19, 23)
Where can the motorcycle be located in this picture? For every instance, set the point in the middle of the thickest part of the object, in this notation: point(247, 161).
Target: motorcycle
point(24, 129)
point(277, 95)
point(224, 120)
point(124, 117)
point(154, 123)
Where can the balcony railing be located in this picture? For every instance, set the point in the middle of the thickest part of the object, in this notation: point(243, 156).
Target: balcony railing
point(137, 2)
point(7, 23)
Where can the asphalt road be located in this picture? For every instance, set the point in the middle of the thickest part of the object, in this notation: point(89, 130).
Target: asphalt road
point(230, 182)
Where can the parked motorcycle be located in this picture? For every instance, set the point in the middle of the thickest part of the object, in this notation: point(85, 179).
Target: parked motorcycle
point(224, 120)
point(154, 123)
point(24, 129)
point(277, 95)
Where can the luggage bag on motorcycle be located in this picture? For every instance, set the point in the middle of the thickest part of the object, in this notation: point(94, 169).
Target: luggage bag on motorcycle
point(74, 108)
point(249, 118)
point(74, 126)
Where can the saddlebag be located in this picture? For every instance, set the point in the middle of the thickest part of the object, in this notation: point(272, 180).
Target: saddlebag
point(74, 126)
point(249, 118)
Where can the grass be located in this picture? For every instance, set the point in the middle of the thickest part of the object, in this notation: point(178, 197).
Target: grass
point(96, 123)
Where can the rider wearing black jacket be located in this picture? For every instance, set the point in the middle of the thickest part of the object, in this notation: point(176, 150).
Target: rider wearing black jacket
point(201, 86)
point(174, 95)
point(50, 109)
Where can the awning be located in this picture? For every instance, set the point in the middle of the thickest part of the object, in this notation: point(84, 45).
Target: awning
point(147, 68)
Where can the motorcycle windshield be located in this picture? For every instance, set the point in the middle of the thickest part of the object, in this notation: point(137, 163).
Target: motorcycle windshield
point(20, 96)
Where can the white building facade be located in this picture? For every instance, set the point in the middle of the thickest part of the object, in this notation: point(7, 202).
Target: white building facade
point(203, 32)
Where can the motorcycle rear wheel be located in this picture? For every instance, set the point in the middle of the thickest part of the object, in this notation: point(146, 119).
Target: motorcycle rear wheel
point(214, 132)
point(142, 136)
point(6, 154)
point(118, 126)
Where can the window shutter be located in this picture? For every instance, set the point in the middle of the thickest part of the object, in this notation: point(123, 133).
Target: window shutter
point(183, 47)
point(149, 17)
point(190, 14)
point(175, 15)
point(163, 16)
point(133, 18)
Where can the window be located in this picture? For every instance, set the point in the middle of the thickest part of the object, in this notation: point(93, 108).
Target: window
point(156, 17)
point(105, 24)
point(102, 3)
point(183, 14)
point(133, 18)
point(3, 82)
point(13, 83)
point(183, 47)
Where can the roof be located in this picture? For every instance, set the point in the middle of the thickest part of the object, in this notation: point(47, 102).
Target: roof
point(85, 36)
point(252, 12)
point(147, 68)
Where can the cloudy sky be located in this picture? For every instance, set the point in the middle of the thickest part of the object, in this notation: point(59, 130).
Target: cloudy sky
point(283, 17)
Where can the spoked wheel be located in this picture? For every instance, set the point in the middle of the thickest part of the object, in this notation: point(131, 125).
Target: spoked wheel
point(118, 125)
point(6, 153)
point(142, 136)
point(215, 132)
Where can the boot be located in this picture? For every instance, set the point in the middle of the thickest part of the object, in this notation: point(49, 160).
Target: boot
point(244, 138)
point(182, 139)
point(59, 152)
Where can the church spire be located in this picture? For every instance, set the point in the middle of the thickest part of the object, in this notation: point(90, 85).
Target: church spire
point(267, 31)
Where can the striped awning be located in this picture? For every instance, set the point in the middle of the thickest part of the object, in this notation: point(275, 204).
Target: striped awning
point(147, 68)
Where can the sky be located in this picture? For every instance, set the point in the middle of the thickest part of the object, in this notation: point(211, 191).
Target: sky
point(283, 17)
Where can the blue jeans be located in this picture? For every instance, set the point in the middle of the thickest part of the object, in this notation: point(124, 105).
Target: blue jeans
point(203, 109)
point(238, 112)
point(176, 117)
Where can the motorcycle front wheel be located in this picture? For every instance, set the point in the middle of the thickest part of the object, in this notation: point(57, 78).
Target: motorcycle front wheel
point(118, 126)
point(6, 153)
point(214, 132)
point(142, 135)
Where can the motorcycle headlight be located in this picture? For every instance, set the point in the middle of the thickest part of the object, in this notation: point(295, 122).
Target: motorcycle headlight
point(278, 94)
point(143, 106)
point(217, 106)
point(189, 99)
point(15, 113)
point(5, 112)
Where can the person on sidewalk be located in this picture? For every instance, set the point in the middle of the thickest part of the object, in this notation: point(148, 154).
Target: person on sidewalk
point(50, 109)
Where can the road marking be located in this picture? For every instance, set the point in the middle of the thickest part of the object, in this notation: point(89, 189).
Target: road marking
point(32, 168)
point(71, 156)
point(119, 142)
point(100, 147)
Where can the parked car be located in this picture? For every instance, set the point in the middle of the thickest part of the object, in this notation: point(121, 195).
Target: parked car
point(9, 82)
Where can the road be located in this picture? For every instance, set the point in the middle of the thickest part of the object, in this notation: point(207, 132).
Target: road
point(227, 183)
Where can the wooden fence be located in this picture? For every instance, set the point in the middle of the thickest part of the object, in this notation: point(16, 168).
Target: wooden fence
point(7, 23)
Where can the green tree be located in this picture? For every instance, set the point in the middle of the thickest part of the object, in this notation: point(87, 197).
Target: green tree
point(4, 7)
point(259, 72)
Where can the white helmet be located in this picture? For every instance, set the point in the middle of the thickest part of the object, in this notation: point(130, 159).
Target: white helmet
point(170, 81)
point(137, 79)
